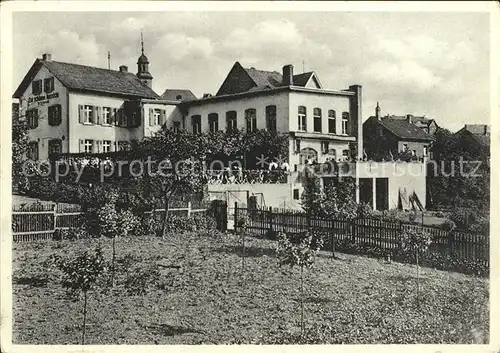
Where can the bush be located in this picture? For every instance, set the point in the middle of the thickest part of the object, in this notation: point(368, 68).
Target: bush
point(127, 223)
point(70, 234)
point(448, 225)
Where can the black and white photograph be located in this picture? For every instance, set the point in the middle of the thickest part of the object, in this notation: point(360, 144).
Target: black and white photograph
point(254, 173)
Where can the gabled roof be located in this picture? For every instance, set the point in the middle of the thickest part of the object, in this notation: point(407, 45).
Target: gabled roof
point(240, 79)
point(417, 120)
point(476, 129)
point(273, 79)
point(403, 129)
point(178, 95)
point(88, 78)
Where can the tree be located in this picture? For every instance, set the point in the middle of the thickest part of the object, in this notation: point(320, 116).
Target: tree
point(416, 241)
point(298, 250)
point(80, 275)
point(179, 155)
point(20, 146)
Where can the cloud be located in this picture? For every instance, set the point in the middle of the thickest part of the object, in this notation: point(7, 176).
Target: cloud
point(179, 47)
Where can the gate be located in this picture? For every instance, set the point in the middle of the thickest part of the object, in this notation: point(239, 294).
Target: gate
point(218, 210)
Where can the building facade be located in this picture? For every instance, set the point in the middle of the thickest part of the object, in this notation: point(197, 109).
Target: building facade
point(322, 124)
point(73, 108)
point(387, 138)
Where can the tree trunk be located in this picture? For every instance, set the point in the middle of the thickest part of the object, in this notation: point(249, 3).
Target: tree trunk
point(302, 300)
point(84, 316)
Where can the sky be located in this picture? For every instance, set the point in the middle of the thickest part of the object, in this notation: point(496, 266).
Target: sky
point(430, 63)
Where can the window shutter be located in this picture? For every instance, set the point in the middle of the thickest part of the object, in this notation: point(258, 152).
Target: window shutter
point(82, 147)
point(151, 113)
point(36, 118)
point(59, 114)
point(113, 146)
point(113, 116)
point(162, 117)
point(80, 113)
point(94, 115)
point(98, 115)
point(140, 118)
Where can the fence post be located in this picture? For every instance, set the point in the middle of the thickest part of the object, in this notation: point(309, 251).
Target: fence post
point(189, 209)
point(270, 218)
point(450, 242)
point(235, 216)
point(353, 230)
point(55, 217)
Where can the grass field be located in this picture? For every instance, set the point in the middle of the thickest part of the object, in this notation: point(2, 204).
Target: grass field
point(363, 300)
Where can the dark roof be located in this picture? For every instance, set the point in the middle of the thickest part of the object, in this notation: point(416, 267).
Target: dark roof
point(143, 59)
point(477, 129)
point(88, 78)
point(173, 94)
point(419, 120)
point(404, 130)
point(484, 140)
point(274, 79)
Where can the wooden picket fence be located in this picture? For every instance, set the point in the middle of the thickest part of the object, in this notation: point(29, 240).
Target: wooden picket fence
point(40, 221)
point(382, 234)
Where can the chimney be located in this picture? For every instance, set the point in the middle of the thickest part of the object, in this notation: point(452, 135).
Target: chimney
point(288, 75)
point(377, 112)
point(123, 68)
point(46, 57)
point(408, 118)
point(486, 129)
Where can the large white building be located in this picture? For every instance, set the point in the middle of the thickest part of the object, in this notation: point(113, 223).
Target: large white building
point(80, 109)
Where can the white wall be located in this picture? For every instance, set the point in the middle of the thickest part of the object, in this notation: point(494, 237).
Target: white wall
point(44, 131)
point(324, 102)
point(172, 114)
point(240, 105)
point(79, 131)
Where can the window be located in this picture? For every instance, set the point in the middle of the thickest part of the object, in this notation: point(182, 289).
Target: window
point(231, 121)
point(425, 151)
point(106, 146)
point(251, 119)
point(213, 122)
point(88, 114)
point(156, 116)
point(332, 122)
point(324, 147)
point(88, 146)
point(302, 118)
point(48, 85)
point(405, 147)
point(36, 87)
point(33, 150)
point(271, 118)
point(32, 118)
point(55, 147)
point(317, 119)
point(106, 116)
point(296, 194)
point(55, 115)
point(178, 97)
point(345, 121)
point(196, 123)
point(345, 153)
point(177, 126)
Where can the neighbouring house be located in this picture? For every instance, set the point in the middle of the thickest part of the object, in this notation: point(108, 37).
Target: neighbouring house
point(388, 138)
point(475, 138)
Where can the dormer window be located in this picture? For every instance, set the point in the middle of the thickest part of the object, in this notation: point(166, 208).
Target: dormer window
point(36, 87)
point(179, 97)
